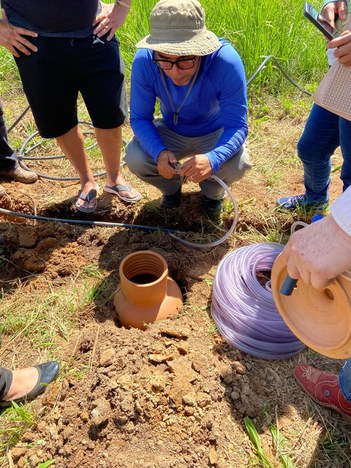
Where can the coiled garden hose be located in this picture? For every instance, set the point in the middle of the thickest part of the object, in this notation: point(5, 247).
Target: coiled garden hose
point(244, 310)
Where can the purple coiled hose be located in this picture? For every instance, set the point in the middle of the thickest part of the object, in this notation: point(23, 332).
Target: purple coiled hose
point(244, 310)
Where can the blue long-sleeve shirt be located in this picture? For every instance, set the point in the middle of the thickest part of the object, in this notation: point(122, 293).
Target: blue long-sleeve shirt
point(217, 100)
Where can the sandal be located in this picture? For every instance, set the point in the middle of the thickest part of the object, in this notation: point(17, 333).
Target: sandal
point(116, 189)
point(47, 372)
point(87, 197)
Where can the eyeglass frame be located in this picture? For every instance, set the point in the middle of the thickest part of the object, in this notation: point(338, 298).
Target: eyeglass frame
point(174, 62)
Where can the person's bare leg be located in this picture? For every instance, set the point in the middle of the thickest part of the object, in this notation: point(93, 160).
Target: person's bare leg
point(110, 143)
point(23, 381)
point(72, 145)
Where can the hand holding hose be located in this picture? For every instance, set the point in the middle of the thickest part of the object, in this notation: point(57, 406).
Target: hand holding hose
point(167, 164)
point(197, 168)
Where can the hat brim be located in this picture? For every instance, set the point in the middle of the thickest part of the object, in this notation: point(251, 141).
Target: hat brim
point(203, 44)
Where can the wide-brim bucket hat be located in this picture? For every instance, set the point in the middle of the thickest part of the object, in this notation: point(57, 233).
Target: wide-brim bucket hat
point(177, 27)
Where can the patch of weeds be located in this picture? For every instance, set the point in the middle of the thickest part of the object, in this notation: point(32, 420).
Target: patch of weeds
point(267, 229)
point(91, 271)
point(77, 374)
point(101, 292)
point(302, 213)
point(262, 119)
point(29, 127)
point(228, 209)
point(287, 105)
point(40, 318)
point(271, 177)
point(279, 442)
point(248, 201)
point(47, 464)
point(259, 109)
point(13, 324)
point(290, 162)
point(336, 445)
point(212, 329)
point(15, 421)
point(255, 439)
point(292, 107)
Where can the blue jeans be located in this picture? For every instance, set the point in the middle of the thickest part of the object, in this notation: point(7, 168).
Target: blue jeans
point(345, 380)
point(8, 159)
point(323, 133)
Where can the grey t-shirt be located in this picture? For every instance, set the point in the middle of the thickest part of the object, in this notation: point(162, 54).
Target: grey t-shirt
point(57, 18)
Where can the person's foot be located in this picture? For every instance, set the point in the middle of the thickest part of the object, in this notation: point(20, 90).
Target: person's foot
point(2, 191)
point(29, 382)
point(171, 201)
point(323, 388)
point(87, 197)
point(212, 208)
point(19, 175)
point(300, 201)
point(116, 188)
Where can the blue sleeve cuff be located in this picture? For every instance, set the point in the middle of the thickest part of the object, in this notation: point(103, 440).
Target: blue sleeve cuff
point(214, 162)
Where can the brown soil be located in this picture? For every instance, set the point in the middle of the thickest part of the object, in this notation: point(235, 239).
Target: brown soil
point(176, 394)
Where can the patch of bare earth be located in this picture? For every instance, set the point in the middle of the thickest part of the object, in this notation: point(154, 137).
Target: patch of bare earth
point(176, 394)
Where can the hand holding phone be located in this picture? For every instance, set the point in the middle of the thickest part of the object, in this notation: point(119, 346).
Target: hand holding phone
point(321, 23)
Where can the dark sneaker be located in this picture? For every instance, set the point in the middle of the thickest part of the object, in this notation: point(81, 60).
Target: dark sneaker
point(171, 201)
point(212, 208)
point(19, 175)
point(300, 201)
point(323, 388)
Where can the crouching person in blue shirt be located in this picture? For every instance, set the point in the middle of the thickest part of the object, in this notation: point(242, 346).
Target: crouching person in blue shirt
point(200, 83)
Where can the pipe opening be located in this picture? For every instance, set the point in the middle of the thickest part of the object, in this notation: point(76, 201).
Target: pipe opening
point(144, 268)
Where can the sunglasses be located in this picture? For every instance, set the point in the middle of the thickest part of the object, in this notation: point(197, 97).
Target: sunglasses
point(182, 63)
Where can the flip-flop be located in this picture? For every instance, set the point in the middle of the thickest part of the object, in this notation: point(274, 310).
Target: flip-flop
point(116, 189)
point(87, 197)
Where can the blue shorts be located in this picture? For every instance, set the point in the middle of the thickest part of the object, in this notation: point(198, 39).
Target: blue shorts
point(53, 76)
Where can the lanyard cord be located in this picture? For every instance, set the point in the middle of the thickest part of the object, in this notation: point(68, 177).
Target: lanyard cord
point(176, 112)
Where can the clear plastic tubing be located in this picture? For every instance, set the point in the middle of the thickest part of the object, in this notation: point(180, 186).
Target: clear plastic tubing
point(244, 310)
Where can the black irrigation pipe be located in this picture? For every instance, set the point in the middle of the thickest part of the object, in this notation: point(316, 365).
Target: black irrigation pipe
point(18, 119)
point(171, 232)
point(87, 222)
point(283, 72)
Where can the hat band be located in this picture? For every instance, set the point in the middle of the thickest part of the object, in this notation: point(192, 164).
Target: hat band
point(175, 35)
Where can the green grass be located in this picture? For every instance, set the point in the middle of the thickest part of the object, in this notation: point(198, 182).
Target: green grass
point(14, 421)
point(255, 439)
point(278, 443)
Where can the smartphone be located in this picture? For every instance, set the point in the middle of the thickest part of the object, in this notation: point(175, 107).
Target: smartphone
point(321, 23)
